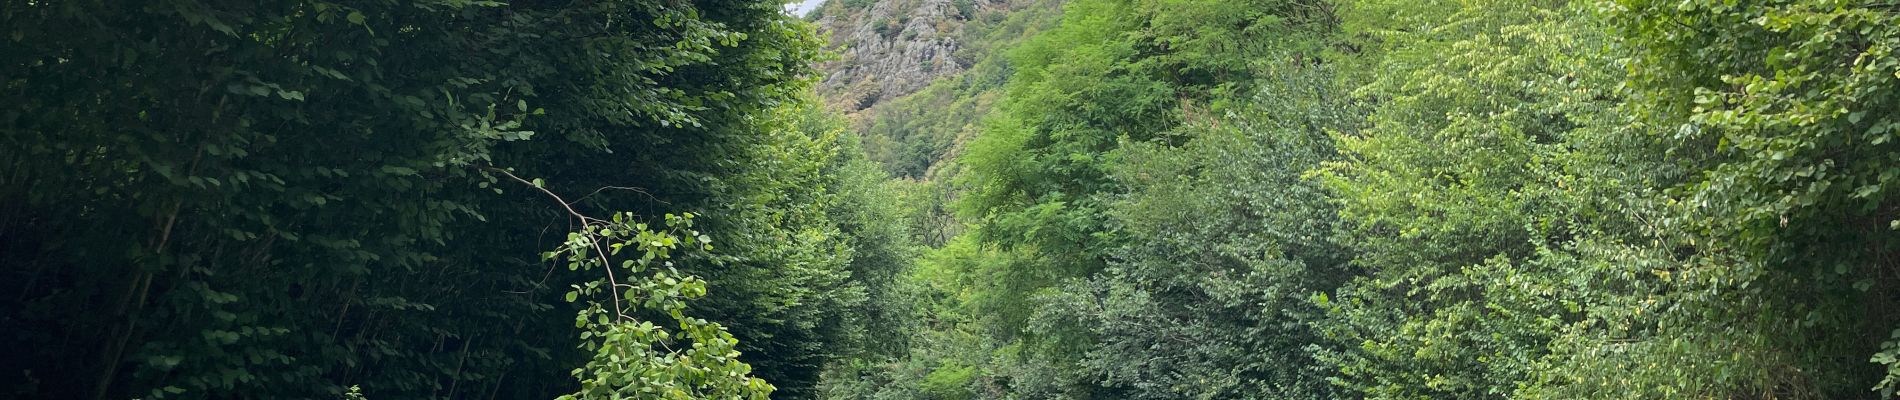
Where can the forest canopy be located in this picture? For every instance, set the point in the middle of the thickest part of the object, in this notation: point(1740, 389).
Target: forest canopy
point(1228, 199)
point(1104, 199)
point(294, 199)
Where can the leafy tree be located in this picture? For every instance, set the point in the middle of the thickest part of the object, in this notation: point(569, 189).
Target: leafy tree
point(288, 199)
point(1468, 181)
point(1784, 110)
point(1210, 301)
point(635, 358)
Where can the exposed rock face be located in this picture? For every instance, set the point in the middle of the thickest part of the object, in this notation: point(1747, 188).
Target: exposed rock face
point(891, 48)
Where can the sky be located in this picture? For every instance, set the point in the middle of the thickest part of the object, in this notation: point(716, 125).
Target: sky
point(803, 7)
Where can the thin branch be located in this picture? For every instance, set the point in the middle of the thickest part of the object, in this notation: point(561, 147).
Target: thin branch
point(545, 274)
point(557, 198)
point(626, 188)
point(613, 288)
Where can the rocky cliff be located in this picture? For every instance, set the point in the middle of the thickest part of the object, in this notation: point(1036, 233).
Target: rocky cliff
point(916, 76)
point(890, 48)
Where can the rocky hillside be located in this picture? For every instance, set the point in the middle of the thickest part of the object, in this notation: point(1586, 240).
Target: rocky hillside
point(901, 57)
point(890, 48)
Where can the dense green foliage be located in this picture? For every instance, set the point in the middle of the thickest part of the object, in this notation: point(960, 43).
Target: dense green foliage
point(636, 358)
point(1116, 199)
point(910, 135)
point(1404, 200)
point(288, 199)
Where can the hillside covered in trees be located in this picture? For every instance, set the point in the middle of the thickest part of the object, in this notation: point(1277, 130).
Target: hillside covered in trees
point(950, 199)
